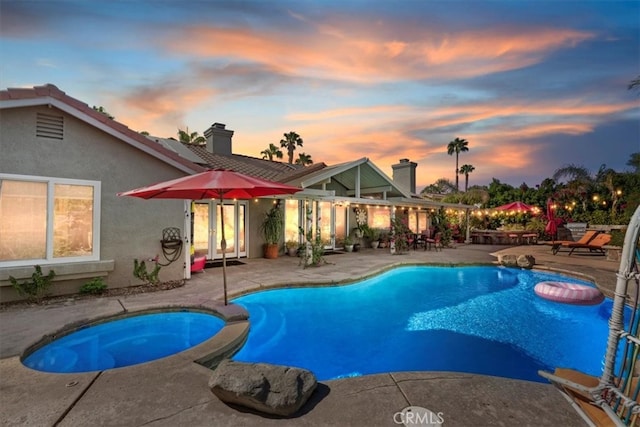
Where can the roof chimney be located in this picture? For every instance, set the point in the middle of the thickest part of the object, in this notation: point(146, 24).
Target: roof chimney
point(218, 139)
point(404, 174)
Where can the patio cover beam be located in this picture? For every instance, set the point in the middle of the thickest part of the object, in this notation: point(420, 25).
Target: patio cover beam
point(370, 190)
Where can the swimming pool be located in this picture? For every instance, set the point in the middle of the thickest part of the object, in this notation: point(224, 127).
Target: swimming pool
point(484, 320)
point(125, 341)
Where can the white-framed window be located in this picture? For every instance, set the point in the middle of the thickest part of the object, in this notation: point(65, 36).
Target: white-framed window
point(45, 220)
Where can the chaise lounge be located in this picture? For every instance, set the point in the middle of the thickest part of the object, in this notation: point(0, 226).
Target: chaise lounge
point(557, 244)
point(595, 245)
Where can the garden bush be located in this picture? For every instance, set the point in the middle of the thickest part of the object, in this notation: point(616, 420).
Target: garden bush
point(95, 286)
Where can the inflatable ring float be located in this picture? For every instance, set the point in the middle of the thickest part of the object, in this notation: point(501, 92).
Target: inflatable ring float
point(569, 293)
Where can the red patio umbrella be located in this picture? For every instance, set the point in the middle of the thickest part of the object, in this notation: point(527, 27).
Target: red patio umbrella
point(213, 184)
point(516, 207)
point(552, 224)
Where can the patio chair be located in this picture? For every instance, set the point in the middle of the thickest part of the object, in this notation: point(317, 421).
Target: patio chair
point(424, 239)
point(436, 241)
point(586, 238)
point(595, 245)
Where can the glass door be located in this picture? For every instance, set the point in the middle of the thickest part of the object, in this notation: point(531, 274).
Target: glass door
point(207, 238)
point(324, 219)
point(340, 225)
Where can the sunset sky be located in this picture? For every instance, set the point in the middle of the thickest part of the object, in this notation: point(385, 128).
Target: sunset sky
point(532, 85)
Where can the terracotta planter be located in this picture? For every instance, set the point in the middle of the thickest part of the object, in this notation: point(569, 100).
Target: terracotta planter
point(270, 251)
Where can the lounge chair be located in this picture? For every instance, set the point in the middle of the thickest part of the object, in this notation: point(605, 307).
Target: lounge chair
point(594, 245)
point(586, 238)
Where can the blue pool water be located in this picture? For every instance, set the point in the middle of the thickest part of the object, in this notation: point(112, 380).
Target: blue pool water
point(125, 342)
point(484, 320)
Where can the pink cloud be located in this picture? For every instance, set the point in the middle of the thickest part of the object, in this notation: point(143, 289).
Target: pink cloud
point(359, 52)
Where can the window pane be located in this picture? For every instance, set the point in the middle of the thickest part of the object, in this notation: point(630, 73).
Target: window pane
point(229, 212)
point(241, 239)
point(422, 222)
point(201, 227)
point(23, 220)
point(325, 222)
point(72, 220)
point(413, 222)
point(379, 217)
point(291, 231)
point(341, 222)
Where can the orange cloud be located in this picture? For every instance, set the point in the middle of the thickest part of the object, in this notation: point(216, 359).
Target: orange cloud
point(355, 51)
point(386, 133)
point(159, 110)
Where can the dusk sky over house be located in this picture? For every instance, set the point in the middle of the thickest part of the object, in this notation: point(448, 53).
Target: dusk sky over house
point(532, 85)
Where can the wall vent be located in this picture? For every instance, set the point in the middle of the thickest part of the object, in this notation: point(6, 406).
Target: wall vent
point(49, 126)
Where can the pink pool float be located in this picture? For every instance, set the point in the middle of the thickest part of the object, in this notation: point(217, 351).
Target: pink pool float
point(569, 293)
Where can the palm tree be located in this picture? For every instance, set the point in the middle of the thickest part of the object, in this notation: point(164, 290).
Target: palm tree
point(290, 141)
point(457, 146)
point(441, 186)
point(579, 180)
point(634, 162)
point(191, 138)
point(304, 159)
point(466, 170)
point(634, 84)
point(271, 151)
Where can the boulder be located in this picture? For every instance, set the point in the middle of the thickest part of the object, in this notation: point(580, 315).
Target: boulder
point(272, 389)
point(526, 261)
point(508, 260)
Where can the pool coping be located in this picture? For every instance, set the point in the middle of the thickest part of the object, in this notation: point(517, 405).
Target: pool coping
point(175, 392)
point(234, 334)
point(381, 270)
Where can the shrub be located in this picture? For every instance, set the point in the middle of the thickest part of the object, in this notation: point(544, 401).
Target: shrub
point(35, 289)
point(95, 286)
point(140, 271)
point(399, 234)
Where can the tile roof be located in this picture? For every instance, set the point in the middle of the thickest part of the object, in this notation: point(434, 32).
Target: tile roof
point(252, 166)
point(44, 94)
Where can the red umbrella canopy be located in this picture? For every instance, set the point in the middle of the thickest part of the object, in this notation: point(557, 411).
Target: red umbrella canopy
point(516, 207)
point(552, 224)
point(212, 184)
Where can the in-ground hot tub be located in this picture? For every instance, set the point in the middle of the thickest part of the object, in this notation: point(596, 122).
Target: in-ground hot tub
point(124, 341)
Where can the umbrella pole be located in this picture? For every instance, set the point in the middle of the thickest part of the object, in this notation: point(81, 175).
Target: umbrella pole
point(223, 245)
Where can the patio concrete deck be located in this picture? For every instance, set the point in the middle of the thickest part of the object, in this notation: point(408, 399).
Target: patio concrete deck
point(173, 391)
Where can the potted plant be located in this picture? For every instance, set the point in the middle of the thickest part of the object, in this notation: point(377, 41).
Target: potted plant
point(348, 244)
point(384, 238)
point(292, 247)
point(373, 234)
point(271, 228)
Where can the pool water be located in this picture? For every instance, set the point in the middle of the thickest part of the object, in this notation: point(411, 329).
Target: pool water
point(484, 320)
point(124, 342)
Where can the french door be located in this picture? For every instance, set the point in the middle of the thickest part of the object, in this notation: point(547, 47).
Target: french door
point(207, 228)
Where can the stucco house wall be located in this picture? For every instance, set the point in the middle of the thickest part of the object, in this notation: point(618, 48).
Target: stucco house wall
point(130, 228)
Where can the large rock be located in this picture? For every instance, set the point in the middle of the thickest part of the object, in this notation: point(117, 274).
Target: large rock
point(508, 260)
point(273, 389)
point(526, 261)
